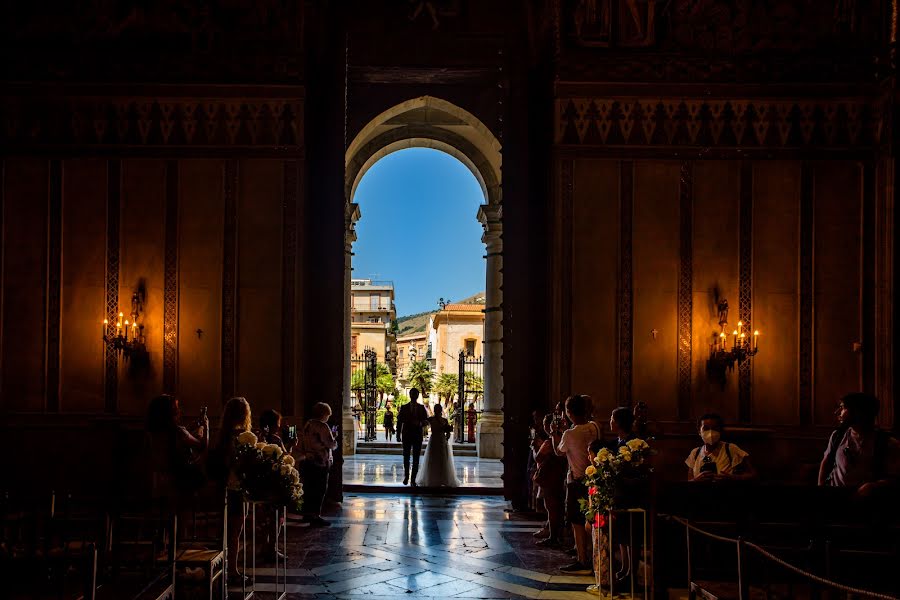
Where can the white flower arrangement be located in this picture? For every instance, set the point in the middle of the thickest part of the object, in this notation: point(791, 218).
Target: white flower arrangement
point(248, 438)
point(608, 470)
point(266, 472)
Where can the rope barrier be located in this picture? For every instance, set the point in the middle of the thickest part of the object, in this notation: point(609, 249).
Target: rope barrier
point(766, 554)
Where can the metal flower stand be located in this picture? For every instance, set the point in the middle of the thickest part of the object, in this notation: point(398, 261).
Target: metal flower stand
point(280, 591)
point(604, 551)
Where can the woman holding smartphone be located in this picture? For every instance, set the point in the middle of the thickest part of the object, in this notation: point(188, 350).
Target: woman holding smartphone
point(318, 445)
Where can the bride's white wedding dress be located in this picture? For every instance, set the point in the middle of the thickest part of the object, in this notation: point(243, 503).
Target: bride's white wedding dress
point(437, 467)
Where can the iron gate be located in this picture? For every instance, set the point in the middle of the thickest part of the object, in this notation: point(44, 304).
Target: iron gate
point(363, 373)
point(471, 396)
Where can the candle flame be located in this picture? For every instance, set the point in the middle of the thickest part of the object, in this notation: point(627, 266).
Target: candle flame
point(105, 322)
point(743, 335)
point(722, 334)
point(756, 332)
point(740, 323)
point(734, 332)
point(121, 314)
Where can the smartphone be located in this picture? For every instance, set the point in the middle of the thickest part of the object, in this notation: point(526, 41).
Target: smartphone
point(334, 429)
point(202, 411)
point(292, 431)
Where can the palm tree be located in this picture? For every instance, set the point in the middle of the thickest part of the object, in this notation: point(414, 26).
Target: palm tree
point(447, 386)
point(474, 384)
point(421, 376)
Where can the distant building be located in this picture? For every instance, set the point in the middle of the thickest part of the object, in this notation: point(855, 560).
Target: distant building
point(372, 316)
point(456, 327)
point(411, 347)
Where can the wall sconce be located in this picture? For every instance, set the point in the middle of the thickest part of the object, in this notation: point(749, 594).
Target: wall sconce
point(722, 354)
point(127, 336)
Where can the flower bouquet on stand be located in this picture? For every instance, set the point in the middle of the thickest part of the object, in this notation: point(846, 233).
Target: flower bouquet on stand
point(266, 474)
point(607, 480)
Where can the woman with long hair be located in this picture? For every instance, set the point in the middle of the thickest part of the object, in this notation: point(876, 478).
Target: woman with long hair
point(236, 419)
point(175, 452)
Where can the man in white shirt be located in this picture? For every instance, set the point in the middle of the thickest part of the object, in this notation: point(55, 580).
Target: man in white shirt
point(573, 444)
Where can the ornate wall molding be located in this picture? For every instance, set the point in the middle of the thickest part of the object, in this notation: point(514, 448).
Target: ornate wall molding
point(170, 281)
point(720, 123)
point(807, 291)
point(626, 281)
point(745, 290)
point(259, 123)
point(113, 224)
point(229, 282)
point(685, 287)
point(289, 259)
point(54, 279)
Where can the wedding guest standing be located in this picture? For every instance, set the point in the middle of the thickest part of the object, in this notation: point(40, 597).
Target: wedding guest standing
point(175, 452)
point(471, 420)
point(236, 420)
point(550, 479)
point(573, 444)
point(318, 445)
point(388, 422)
point(270, 430)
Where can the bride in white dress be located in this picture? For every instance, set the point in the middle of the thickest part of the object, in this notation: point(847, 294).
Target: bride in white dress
point(437, 467)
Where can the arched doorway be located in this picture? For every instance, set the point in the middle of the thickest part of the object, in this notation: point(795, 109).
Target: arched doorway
point(429, 122)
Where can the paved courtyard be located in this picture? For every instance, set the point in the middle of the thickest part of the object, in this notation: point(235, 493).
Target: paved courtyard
point(382, 547)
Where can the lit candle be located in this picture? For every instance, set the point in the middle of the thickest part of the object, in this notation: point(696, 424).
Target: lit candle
point(734, 339)
point(134, 331)
point(105, 326)
point(756, 340)
point(743, 341)
point(740, 327)
point(722, 337)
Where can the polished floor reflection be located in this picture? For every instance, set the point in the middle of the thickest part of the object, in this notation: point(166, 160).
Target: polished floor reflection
point(387, 470)
point(383, 547)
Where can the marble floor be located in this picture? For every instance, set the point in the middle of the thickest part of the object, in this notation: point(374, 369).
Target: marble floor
point(387, 470)
point(383, 547)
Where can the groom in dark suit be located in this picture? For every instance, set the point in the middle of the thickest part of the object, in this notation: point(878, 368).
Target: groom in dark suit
point(410, 420)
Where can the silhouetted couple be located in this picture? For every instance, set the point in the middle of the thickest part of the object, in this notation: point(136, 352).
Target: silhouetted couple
point(439, 469)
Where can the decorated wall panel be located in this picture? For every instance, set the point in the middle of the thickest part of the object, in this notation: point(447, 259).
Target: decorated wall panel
point(259, 331)
point(656, 261)
point(776, 294)
point(83, 285)
point(24, 303)
point(200, 250)
point(595, 237)
point(837, 328)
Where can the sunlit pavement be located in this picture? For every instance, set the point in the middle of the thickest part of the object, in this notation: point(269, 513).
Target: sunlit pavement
point(382, 547)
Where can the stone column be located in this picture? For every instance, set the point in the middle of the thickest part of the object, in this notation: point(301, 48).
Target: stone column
point(490, 427)
point(348, 424)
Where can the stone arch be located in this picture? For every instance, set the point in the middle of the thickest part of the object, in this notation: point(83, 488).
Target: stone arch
point(429, 122)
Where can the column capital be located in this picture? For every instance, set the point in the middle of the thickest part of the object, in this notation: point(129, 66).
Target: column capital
point(490, 216)
point(351, 216)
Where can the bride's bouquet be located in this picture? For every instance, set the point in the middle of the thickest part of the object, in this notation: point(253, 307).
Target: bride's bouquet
point(266, 473)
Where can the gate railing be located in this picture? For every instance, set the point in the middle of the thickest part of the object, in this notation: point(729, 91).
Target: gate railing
point(365, 392)
point(470, 397)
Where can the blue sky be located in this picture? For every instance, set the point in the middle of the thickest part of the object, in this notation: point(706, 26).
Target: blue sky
point(419, 228)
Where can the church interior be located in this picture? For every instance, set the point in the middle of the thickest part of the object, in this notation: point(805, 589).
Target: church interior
point(689, 214)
